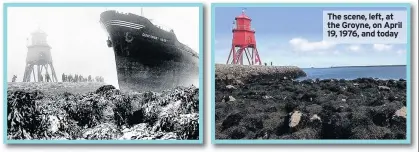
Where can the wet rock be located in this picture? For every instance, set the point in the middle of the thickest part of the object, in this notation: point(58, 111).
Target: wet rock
point(104, 113)
point(239, 82)
point(314, 109)
point(143, 132)
point(271, 109)
point(337, 126)
point(237, 132)
point(267, 97)
point(231, 98)
point(329, 109)
point(105, 131)
point(306, 133)
point(105, 88)
point(401, 112)
point(230, 87)
point(252, 123)
point(232, 120)
point(370, 132)
point(315, 118)
point(295, 119)
point(54, 124)
point(381, 115)
point(383, 88)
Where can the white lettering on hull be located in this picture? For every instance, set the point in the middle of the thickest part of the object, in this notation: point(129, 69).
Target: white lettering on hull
point(153, 37)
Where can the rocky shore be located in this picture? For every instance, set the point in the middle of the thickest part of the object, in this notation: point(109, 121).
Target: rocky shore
point(276, 106)
point(81, 111)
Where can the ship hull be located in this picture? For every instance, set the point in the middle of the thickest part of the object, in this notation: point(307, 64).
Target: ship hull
point(143, 77)
point(146, 62)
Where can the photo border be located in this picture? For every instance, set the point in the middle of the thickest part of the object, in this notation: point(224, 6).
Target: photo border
point(314, 141)
point(201, 66)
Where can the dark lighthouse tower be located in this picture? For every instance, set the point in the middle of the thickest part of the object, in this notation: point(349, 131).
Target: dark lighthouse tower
point(39, 65)
point(244, 42)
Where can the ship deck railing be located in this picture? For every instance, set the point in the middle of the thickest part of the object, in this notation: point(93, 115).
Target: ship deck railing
point(161, 26)
point(189, 50)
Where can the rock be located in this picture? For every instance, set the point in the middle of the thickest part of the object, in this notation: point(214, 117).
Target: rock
point(252, 123)
point(231, 98)
point(134, 131)
point(237, 132)
point(295, 119)
point(267, 97)
point(230, 87)
point(401, 112)
point(229, 77)
point(232, 120)
point(306, 133)
point(54, 124)
point(169, 136)
point(314, 109)
point(239, 82)
point(383, 88)
point(315, 117)
point(301, 109)
point(104, 88)
point(102, 131)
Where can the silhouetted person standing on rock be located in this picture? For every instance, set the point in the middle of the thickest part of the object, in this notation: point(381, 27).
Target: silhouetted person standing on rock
point(70, 78)
point(14, 78)
point(47, 78)
point(76, 77)
point(41, 78)
point(63, 77)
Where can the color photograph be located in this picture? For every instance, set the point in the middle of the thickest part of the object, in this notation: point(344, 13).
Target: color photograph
point(311, 73)
point(103, 73)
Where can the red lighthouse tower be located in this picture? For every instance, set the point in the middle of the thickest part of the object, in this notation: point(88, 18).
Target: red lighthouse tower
point(244, 42)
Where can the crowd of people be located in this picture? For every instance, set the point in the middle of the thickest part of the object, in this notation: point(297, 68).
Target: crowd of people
point(80, 78)
point(67, 78)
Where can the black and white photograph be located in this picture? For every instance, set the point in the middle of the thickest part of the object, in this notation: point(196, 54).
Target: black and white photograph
point(103, 73)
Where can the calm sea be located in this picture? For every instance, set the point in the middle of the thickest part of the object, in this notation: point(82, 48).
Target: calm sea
point(380, 72)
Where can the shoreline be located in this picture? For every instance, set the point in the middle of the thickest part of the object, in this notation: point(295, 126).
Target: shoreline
point(279, 107)
point(89, 111)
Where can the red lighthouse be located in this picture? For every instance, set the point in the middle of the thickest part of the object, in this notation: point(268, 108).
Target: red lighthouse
point(244, 42)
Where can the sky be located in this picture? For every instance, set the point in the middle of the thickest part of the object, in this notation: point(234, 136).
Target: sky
point(293, 36)
point(79, 42)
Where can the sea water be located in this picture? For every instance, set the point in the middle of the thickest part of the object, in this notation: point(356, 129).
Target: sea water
point(380, 72)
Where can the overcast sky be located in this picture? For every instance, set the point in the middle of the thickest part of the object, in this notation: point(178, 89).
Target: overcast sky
point(79, 42)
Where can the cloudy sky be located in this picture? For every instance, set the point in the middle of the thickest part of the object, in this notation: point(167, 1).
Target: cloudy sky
point(79, 42)
point(293, 36)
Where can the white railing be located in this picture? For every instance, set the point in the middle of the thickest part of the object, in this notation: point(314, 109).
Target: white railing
point(242, 27)
point(120, 12)
point(161, 26)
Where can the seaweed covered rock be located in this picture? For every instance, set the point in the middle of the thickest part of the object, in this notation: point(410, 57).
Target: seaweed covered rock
point(144, 132)
point(24, 119)
point(271, 107)
point(103, 113)
point(104, 131)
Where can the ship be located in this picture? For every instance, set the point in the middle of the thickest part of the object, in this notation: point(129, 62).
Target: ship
point(148, 56)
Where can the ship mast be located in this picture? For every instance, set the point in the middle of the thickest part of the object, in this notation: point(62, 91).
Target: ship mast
point(142, 11)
